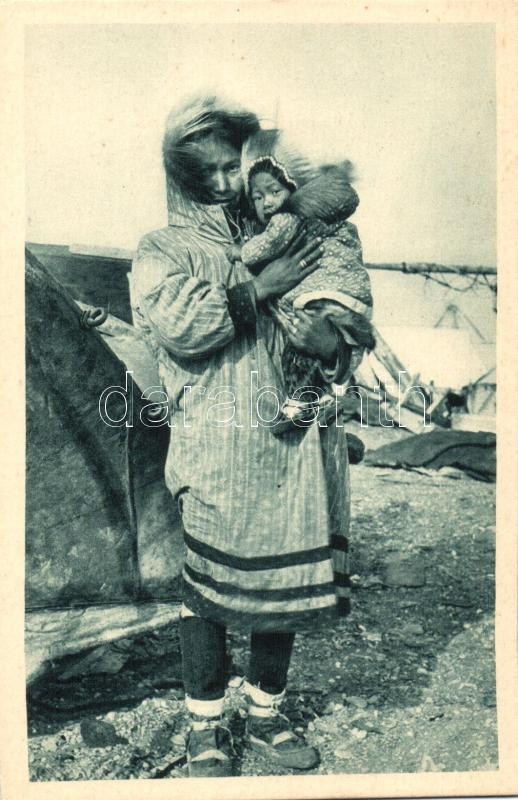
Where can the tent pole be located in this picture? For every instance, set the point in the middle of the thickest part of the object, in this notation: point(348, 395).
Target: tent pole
point(423, 268)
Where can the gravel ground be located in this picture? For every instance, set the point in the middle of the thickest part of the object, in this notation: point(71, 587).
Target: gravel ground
point(405, 684)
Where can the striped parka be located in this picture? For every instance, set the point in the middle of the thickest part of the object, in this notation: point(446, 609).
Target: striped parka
point(266, 517)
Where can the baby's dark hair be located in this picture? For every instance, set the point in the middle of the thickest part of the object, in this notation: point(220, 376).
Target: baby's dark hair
point(271, 168)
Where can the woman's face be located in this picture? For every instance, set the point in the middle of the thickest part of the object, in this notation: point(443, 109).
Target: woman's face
point(219, 171)
point(268, 195)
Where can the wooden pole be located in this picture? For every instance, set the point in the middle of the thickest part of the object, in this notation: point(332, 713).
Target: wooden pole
point(424, 268)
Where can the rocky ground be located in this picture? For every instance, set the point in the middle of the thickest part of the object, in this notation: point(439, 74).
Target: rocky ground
point(405, 684)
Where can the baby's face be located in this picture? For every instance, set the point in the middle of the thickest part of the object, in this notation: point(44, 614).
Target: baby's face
point(268, 195)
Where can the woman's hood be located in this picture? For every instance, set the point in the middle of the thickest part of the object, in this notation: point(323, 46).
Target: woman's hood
point(182, 212)
point(190, 119)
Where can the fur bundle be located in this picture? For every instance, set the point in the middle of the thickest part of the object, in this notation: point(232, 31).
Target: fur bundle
point(328, 197)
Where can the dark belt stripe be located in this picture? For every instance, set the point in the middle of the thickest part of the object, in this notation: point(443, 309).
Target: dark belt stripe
point(261, 621)
point(257, 562)
point(291, 593)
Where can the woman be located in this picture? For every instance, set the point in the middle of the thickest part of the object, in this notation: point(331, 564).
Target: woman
point(265, 517)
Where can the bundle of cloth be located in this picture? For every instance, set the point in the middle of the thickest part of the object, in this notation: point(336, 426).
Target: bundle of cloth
point(285, 188)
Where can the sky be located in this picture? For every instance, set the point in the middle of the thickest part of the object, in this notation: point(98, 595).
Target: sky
point(413, 106)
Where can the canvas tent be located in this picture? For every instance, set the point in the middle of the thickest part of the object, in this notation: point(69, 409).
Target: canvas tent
point(481, 394)
point(418, 367)
point(101, 527)
point(444, 357)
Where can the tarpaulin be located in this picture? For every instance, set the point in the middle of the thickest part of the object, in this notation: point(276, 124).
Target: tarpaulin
point(475, 453)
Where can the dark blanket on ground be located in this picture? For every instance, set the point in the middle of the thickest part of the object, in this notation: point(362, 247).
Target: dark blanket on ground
point(475, 453)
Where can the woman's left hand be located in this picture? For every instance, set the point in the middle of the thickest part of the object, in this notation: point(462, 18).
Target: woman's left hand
point(312, 334)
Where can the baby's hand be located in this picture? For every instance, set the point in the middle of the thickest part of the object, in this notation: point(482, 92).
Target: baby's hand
point(233, 253)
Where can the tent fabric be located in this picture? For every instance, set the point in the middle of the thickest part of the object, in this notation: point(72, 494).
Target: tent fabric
point(481, 398)
point(424, 366)
point(444, 356)
point(124, 340)
point(100, 524)
point(53, 633)
point(94, 278)
point(475, 453)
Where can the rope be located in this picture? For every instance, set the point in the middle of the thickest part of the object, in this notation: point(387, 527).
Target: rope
point(92, 318)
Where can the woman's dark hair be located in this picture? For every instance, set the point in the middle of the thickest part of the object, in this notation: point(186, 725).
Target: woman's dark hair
point(271, 168)
point(190, 125)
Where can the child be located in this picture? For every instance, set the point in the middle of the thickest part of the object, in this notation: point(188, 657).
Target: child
point(285, 189)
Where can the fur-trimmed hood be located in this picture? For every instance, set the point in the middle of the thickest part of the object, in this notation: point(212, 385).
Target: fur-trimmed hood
point(200, 116)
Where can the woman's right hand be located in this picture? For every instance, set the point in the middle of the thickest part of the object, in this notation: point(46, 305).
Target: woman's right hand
point(281, 275)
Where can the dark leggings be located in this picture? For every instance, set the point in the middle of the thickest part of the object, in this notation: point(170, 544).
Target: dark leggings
point(204, 654)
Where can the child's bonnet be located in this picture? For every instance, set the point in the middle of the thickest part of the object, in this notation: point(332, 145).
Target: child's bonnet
point(323, 193)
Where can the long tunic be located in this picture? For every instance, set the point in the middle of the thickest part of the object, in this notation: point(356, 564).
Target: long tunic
point(266, 517)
